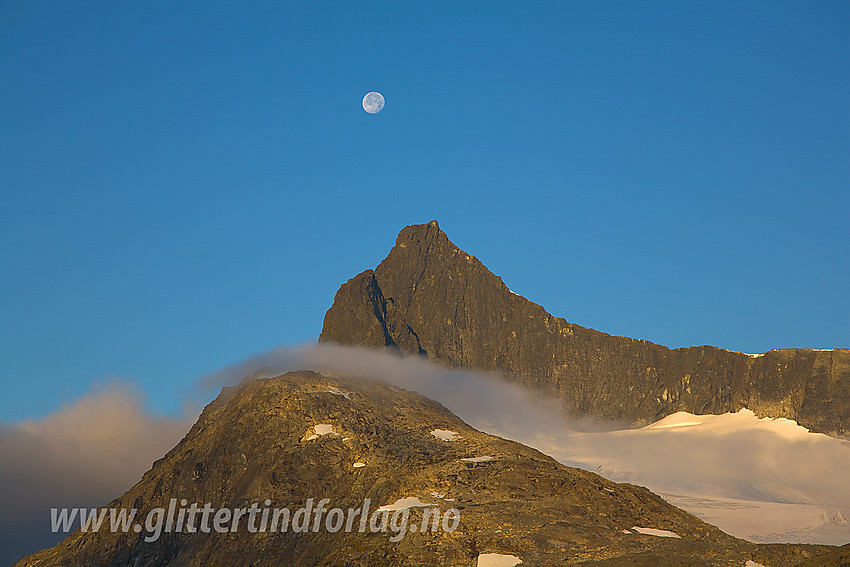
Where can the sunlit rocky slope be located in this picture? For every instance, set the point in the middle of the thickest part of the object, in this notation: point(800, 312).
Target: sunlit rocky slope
point(303, 435)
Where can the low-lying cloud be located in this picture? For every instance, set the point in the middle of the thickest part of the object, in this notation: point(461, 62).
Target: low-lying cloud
point(483, 399)
point(83, 454)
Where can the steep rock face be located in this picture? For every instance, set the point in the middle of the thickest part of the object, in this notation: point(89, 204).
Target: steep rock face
point(430, 297)
point(305, 435)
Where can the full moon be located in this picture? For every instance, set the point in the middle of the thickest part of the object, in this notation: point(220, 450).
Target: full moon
point(373, 102)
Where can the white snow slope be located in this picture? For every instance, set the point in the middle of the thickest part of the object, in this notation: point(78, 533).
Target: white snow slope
point(761, 479)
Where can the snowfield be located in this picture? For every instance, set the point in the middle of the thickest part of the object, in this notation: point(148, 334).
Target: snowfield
point(761, 479)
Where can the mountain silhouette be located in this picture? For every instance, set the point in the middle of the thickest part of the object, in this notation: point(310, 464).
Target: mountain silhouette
point(430, 297)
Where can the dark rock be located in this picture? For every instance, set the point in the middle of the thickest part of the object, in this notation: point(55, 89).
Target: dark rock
point(836, 557)
point(428, 296)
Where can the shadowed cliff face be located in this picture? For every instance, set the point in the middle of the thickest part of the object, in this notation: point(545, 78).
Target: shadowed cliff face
point(430, 297)
point(283, 440)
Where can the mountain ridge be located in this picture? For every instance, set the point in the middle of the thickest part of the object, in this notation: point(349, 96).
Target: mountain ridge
point(430, 297)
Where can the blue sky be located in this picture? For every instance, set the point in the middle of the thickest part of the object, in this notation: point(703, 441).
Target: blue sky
point(186, 184)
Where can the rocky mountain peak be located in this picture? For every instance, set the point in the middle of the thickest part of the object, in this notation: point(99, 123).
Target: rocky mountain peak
point(430, 297)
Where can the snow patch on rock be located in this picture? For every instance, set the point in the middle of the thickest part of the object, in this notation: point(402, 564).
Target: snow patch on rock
point(655, 532)
point(444, 434)
point(404, 503)
point(441, 496)
point(320, 430)
point(338, 392)
point(498, 560)
point(481, 459)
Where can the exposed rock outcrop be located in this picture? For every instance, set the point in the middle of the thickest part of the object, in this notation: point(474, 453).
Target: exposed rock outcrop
point(428, 296)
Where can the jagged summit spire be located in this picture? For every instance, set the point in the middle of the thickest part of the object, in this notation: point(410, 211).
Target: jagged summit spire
point(430, 297)
point(417, 233)
point(420, 276)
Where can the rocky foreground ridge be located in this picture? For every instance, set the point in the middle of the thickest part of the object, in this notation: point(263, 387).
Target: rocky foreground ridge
point(281, 441)
point(429, 297)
